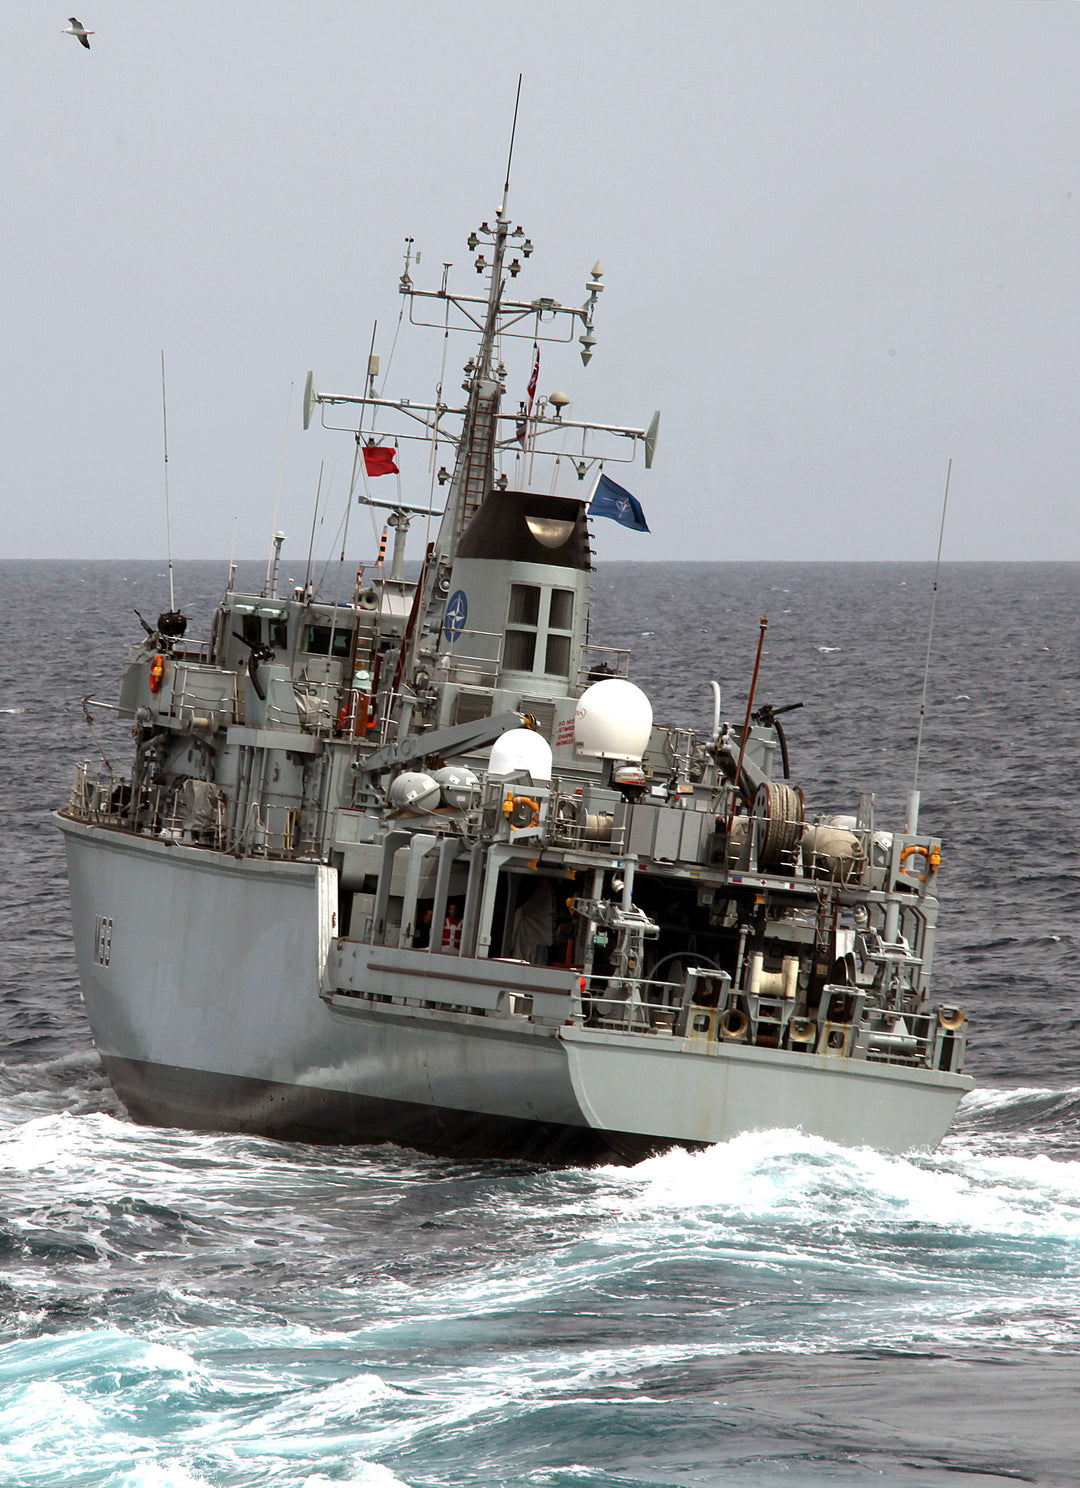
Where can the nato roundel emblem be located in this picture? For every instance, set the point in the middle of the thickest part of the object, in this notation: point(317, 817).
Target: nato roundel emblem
point(456, 613)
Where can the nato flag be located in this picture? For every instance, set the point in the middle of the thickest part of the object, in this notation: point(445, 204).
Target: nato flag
point(610, 500)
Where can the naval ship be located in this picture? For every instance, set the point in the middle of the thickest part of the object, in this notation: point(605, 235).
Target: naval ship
point(415, 863)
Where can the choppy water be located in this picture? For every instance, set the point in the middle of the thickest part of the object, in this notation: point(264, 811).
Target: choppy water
point(181, 1310)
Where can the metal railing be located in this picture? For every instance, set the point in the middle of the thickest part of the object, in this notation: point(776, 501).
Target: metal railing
point(632, 1005)
point(202, 697)
point(103, 797)
point(708, 1009)
point(600, 662)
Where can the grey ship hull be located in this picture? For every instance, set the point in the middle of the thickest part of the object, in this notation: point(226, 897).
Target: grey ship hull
point(220, 998)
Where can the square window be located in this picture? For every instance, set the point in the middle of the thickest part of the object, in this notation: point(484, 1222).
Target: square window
point(519, 651)
point(561, 615)
point(524, 604)
point(558, 656)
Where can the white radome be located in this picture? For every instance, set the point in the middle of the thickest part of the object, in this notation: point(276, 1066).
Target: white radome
point(613, 720)
point(521, 749)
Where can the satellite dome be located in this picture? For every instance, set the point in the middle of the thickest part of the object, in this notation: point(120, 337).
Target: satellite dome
point(414, 791)
point(613, 720)
point(521, 749)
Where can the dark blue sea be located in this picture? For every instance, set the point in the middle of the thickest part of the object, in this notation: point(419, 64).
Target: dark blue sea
point(182, 1311)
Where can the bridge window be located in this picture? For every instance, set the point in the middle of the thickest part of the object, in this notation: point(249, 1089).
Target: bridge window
point(317, 641)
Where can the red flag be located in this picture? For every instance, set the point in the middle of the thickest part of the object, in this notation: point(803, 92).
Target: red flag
point(380, 459)
point(527, 408)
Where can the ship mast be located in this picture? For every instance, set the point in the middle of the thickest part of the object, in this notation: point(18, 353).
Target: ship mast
point(474, 469)
point(490, 316)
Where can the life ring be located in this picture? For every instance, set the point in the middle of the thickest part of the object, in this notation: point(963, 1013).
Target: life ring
point(951, 1018)
point(932, 856)
point(157, 672)
point(521, 811)
point(733, 1023)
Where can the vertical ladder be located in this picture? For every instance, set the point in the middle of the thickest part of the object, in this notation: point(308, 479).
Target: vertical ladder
point(478, 459)
point(828, 913)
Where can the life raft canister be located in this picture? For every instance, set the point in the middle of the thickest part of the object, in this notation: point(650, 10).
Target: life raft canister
point(157, 672)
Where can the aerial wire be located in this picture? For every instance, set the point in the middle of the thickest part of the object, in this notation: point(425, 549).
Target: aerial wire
point(168, 523)
point(314, 518)
point(912, 824)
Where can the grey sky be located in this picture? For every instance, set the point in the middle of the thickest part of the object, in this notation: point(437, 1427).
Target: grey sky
point(840, 245)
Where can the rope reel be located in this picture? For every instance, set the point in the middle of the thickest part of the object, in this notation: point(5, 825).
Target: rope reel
point(780, 808)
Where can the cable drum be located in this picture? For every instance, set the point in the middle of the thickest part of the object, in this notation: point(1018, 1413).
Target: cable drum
point(780, 807)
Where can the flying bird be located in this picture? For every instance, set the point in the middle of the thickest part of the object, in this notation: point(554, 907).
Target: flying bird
point(78, 29)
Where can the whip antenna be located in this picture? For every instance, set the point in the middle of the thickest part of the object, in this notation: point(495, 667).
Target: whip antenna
point(311, 544)
point(168, 523)
point(513, 132)
point(913, 799)
point(274, 534)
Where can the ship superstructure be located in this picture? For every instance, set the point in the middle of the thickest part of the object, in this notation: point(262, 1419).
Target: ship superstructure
point(417, 863)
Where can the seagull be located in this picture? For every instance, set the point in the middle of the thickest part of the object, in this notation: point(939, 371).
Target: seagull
point(78, 29)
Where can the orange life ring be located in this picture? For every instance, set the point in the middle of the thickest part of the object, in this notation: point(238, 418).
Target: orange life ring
point(521, 811)
point(157, 672)
point(931, 854)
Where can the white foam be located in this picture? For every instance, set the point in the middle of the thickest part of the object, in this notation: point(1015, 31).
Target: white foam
point(785, 1177)
point(986, 1098)
point(361, 1475)
point(39, 1409)
point(160, 1475)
